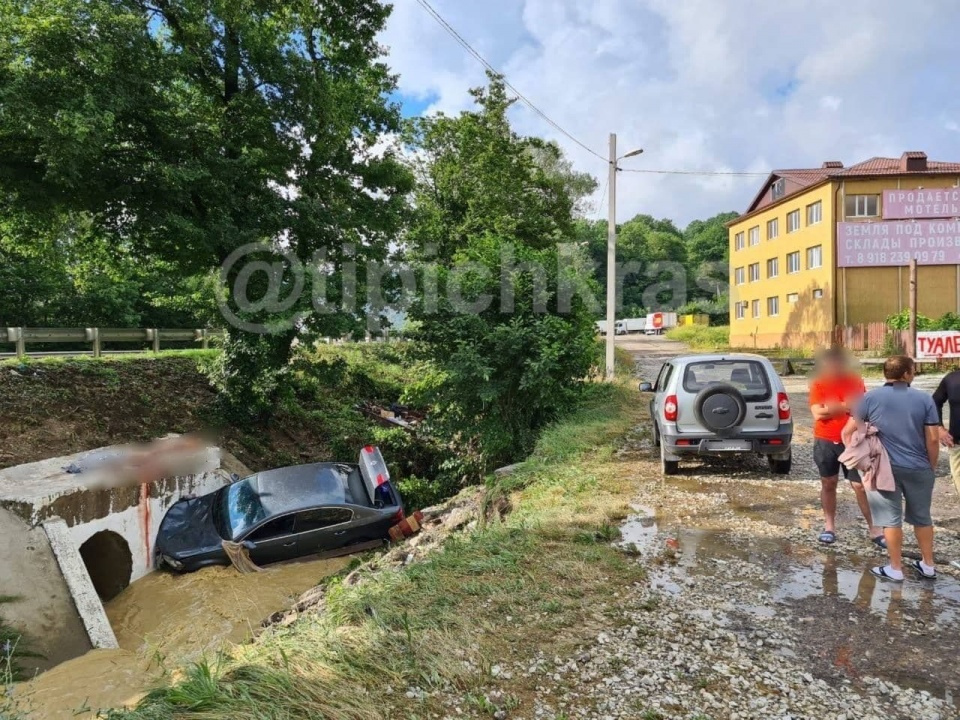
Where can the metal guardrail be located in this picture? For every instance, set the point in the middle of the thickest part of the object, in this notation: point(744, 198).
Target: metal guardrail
point(20, 337)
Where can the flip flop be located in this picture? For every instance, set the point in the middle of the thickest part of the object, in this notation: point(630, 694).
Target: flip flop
point(881, 572)
point(880, 541)
point(926, 576)
point(827, 537)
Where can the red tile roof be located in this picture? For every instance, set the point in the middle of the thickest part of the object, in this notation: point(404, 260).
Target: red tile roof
point(892, 166)
point(912, 162)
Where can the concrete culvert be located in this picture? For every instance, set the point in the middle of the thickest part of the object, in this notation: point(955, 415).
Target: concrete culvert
point(109, 562)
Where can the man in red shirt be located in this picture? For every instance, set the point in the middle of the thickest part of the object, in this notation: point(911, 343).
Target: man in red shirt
point(834, 392)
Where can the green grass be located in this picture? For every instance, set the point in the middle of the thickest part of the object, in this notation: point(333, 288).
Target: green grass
point(89, 360)
point(443, 622)
point(702, 337)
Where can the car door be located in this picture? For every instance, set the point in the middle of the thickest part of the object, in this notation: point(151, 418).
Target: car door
point(324, 528)
point(659, 392)
point(273, 541)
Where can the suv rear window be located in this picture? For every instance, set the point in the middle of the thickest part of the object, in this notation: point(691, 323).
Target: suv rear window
point(747, 376)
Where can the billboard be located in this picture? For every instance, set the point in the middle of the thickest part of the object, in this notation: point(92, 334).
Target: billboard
point(897, 242)
point(920, 204)
point(940, 344)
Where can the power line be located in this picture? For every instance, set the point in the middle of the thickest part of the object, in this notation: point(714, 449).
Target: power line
point(696, 172)
point(603, 195)
point(460, 39)
point(425, 4)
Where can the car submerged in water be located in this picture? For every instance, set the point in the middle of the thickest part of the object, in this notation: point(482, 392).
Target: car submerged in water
point(283, 514)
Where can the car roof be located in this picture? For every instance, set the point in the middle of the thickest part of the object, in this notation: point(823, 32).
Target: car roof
point(297, 487)
point(687, 359)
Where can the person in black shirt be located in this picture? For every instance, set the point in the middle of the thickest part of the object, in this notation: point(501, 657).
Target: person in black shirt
point(949, 392)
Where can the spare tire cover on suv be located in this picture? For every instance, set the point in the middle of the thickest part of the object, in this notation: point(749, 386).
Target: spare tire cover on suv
point(720, 409)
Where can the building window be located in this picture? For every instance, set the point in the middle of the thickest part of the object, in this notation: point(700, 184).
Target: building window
point(754, 272)
point(739, 276)
point(793, 262)
point(755, 235)
point(738, 241)
point(814, 257)
point(741, 310)
point(863, 206)
point(773, 267)
point(814, 213)
point(773, 306)
point(792, 298)
point(773, 228)
point(793, 221)
point(756, 308)
point(817, 294)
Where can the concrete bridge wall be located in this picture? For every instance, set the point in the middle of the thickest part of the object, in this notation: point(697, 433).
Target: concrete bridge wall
point(113, 529)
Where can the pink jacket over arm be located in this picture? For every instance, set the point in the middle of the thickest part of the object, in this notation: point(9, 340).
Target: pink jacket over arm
point(866, 454)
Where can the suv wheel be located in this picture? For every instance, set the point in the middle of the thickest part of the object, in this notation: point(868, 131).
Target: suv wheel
point(669, 467)
point(780, 467)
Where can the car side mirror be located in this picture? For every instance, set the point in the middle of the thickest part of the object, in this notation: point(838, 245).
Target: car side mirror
point(646, 387)
point(249, 545)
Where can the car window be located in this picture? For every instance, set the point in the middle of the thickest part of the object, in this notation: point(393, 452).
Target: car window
point(747, 376)
point(661, 382)
point(668, 373)
point(278, 527)
point(322, 517)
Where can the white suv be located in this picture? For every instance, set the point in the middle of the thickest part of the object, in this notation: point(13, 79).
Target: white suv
point(720, 405)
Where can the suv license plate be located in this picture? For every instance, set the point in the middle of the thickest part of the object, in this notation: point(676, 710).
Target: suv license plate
point(730, 445)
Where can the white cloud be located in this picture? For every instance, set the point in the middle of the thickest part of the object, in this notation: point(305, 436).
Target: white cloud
point(700, 84)
point(831, 102)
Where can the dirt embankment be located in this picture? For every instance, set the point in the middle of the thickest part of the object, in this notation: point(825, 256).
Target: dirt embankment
point(52, 409)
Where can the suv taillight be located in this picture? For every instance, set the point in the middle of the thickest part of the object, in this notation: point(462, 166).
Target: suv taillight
point(670, 408)
point(783, 406)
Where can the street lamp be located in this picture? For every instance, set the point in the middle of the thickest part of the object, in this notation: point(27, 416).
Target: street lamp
point(612, 252)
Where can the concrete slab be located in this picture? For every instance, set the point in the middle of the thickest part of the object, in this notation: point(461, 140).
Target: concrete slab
point(84, 595)
point(43, 611)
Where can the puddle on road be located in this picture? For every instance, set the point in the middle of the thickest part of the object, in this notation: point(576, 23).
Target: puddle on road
point(162, 622)
point(639, 529)
point(847, 621)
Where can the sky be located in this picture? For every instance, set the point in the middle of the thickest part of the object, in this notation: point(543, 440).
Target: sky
point(738, 85)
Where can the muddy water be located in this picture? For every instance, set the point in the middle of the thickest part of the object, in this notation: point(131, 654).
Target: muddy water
point(161, 622)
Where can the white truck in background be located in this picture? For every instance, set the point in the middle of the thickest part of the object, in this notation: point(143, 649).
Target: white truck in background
point(631, 325)
point(659, 322)
point(602, 327)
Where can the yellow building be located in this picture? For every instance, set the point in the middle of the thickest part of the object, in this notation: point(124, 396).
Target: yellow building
point(831, 246)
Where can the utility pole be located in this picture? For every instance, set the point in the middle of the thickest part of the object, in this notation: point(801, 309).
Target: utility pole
point(612, 258)
point(913, 308)
point(612, 253)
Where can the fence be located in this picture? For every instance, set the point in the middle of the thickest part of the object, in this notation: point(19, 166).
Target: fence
point(871, 337)
point(20, 337)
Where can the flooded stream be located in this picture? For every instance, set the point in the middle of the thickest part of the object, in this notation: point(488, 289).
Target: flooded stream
point(162, 622)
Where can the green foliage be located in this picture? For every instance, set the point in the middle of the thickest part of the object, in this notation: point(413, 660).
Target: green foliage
point(901, 321)
point(495, 373)
point(165, 130)
point(646, 250)
point(718, 310)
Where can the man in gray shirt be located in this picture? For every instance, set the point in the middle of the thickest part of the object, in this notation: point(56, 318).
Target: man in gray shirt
point(908, 426)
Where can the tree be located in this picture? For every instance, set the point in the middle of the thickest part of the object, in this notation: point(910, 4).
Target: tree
point(489, 219)
point(186, 129)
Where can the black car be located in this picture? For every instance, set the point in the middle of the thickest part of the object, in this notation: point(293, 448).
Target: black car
point(279, 515)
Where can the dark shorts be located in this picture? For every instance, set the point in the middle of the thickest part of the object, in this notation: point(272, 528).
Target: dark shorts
point(914, 488)
point(826, 455)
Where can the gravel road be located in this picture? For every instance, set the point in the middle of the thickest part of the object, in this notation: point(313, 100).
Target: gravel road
point(746, 615)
